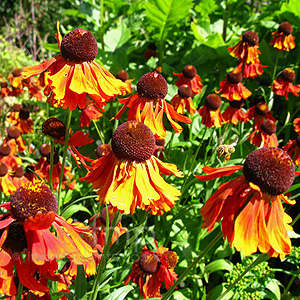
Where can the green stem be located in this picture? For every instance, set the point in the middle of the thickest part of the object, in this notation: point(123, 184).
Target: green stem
point(64, 160)
point(105, 254)
point(20, 291)
point(192, 265)
point(51, 164)
point(270, 104)
point(99, 132)
point(261, 258)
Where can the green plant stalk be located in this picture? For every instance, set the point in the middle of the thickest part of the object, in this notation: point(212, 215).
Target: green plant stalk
point(20, 291)
point(51, 164)
point(69, 116)
point(99, 132)
point(261, 258)
point(192, 265)
point(104, 258)
point(273, 77)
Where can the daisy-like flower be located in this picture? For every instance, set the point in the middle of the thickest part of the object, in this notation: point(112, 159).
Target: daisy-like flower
point(265, 134)
point(103, 149)
point(283, 85)
point(297, 125)
point(89, 113)
point(20, 118)
point(129, 177)
point(124, 76)
point(25, 229)
point(190, 77)
point(259, 113)
point(152, 269)
point(250, 205)
point(4, 89)
point(73, 73)
point(34, 88)
point(182, 100)
point(6, 185)
point(149, 105)
point(234, 113)
point(232, 87)
point(15, 81)
point(293, 150)
point(210, 112)
point(14, 140)
point(283, 39)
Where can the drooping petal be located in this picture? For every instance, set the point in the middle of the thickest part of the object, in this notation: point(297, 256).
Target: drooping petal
point(217, 172)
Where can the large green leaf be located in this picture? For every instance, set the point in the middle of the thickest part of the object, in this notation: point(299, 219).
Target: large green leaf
point(120, 293)
point(164, 14)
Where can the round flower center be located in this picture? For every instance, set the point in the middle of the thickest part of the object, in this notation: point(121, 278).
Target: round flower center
point(55, 158)
point(17, 107)
point(237, 104)
point(261, 108)
point(24, 113)
point(288, 75)
point(45, 149)
point(54, 128)
point(213, 102)
point(17, 72)
point(16, 238)
point(5, 150)
point(3, 84)
point(286, 28)
point(133, 141)
point(234, 77)
point(122, 75)
point(149, 263)
point(269, 127)
point(271, 169)
point(160, 142)
point(19, 172)
point(184, 91)
point(152, 86)
point(3, 169)
point(13, 132)
point(102, 150)
point(251, 37)
point(30, 198)
point(79, 45)
point(171, 259)
point(189, 71)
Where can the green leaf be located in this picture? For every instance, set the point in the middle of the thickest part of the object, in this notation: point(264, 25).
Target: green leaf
point(51, 47)
point(273, 287)
point(120, 293)
point(164, 14)
point(291, 10)
point(80, 284)
point(71, 210)
point(217, 265)
point(117, 37)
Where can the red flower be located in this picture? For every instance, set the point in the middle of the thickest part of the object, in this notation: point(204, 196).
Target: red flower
point(20, 118)
point(232, 87)
point(234, 113)
point(210, 112)
point(73, 73)
point(190, 77)
point(283, 39)
point(149, 105)
point(293, 150)
point(89, 113)
point(265, 134)
point(152, 269)
point(183, 100)
point(297, 125)
point(250, 205)
point(283, 85)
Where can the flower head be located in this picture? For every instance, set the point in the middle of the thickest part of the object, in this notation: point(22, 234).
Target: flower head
point(234, 113)
point(293, 146)
point(149, 105)
point(182, 100)
point(250, 205)
point(210, 112)
point(282, 38)
point(232, 87)
point(129, 176)
point(73, 73)
point(283, 85)
point(152, 269)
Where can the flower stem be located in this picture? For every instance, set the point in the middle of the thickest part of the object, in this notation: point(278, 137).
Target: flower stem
point(192, 265)
point(261, 258)
point(99, 132)
point(64, 160)
point(51, 164)
point(20, 291)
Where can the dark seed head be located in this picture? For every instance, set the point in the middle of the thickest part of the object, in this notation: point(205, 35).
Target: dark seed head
point(24, 113)
point(261, 108)
point(251, 37)
point(54, 128)
point(5, 149)
point(13, 132)
point(79, 45)
point(133, 141)
point(288, 75)
point(269, 127)
point(55, 158)
point(152, 85)
point(17, 107)
point(189, 71)
point(213, 102)
point(45, 149)
point(122, 75)
point(237, 104)
point(102, 150)
point(3, 84)
point(17, 72)
point(3, 169)
point(149, 263)
point(16, 239)
point(271, 169)
point(234, 76)
point(184, 91)
point(286, 28)
point(19, 172)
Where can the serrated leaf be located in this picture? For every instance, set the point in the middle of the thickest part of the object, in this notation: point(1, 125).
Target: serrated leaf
point(80, 284)
point(164, 14)
point(120, 293)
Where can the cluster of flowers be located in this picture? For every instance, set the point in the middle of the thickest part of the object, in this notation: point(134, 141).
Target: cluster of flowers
point(128, 175)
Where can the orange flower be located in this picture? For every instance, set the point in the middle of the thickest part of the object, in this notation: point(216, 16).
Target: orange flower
point(265, 134)
point(283, 85)
point(210, 112)
point(152, 269)
point(6, 185)
point(14, 140)
point(234, 113)
point(20, 118)
point(183, 100)
point(190, 77)
point(25, 230)
point(293, 150)
point(232, 87)
point(250, 205)
point(124, 76)
point(4, 89)
point(16, 84)
point(252, 70)
point(89, 113)
point(73, 73)
point(297, 125)
point(283, 39)
point(129, 177)
point(152, 88)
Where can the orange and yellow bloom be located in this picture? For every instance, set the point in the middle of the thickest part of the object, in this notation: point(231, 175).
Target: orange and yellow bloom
point(283, 39)
point(234, 113)
point(250, 205)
